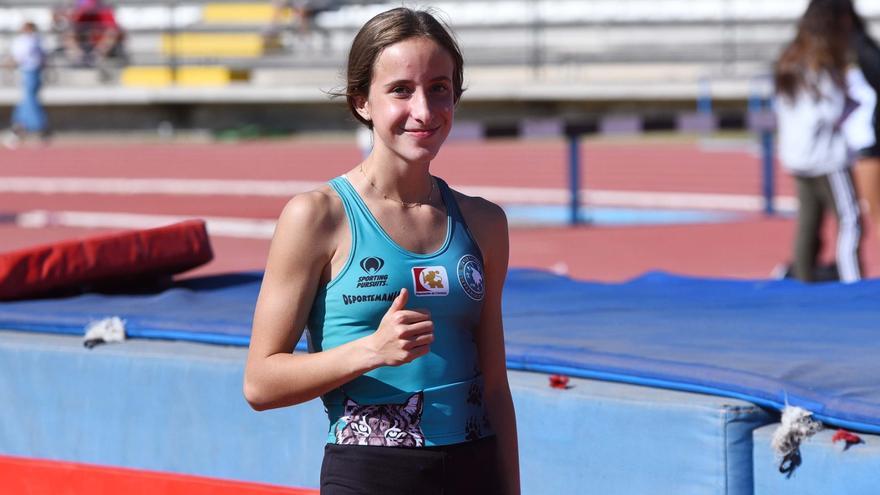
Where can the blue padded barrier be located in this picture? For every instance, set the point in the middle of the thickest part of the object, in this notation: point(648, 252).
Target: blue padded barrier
point(826, 468)
point(177, 407)
point(766, 342)
point(174, 407)
point(617, 439)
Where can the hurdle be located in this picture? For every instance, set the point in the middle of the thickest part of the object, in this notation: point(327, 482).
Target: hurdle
point(758, 119)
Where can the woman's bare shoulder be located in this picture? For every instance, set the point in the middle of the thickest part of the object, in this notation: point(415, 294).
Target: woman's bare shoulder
point(487, 224)
point(311, 219)
point(479, 212)
point(317, 209)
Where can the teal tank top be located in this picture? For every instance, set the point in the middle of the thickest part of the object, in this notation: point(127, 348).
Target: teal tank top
point(436, 399)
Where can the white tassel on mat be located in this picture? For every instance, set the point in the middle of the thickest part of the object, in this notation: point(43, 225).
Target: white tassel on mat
point(797, 425)
point(103, 331)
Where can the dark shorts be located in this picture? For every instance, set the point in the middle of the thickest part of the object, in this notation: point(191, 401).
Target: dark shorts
point(460, 469)
point(870, 152)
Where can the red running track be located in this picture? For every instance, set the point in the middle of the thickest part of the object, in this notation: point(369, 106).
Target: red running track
point(749, 248)
point(620, 165)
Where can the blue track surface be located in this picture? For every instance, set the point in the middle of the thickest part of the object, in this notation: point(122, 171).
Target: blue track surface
point(766, 342)
point(617, 217)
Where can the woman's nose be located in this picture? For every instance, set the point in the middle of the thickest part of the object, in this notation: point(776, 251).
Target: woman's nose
point(420, 106)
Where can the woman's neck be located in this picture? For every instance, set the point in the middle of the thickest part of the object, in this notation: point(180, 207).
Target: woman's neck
point(398, 180)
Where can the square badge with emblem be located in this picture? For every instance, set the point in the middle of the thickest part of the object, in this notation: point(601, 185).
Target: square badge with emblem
point(430, 281)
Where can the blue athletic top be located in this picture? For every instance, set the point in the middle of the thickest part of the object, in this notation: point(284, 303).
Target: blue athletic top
point(437, 399)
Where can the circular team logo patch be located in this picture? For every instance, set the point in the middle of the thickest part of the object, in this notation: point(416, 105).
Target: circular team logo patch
point(470, 276)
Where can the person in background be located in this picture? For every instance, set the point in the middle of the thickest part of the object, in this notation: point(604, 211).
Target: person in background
point(867, 170)
point(28, 57)
point(811, 107)
point(299, 15)
point(93, 35)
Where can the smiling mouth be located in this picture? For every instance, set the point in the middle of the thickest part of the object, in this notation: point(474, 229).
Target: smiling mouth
point(421, 132)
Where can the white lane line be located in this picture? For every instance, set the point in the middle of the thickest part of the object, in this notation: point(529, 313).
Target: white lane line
point(285, 189)
point(183, 187)
point(246, 228)
point(698, 201)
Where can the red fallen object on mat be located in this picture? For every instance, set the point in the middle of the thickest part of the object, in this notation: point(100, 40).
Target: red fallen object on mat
point(109, 259)
point(848, 437)
point(559, 381)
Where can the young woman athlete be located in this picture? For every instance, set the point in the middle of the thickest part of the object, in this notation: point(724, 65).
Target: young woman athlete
point(398, 279)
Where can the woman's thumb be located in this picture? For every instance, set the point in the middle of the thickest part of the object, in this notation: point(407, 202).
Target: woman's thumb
point(400, 301)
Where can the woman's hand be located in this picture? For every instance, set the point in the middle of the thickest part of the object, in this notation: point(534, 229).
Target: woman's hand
point(403, 334)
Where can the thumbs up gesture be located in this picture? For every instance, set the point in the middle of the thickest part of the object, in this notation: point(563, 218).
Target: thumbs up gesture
point(403, 334)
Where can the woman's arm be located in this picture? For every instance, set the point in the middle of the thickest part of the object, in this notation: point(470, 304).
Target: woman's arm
point(305, 241)
point(488, 224)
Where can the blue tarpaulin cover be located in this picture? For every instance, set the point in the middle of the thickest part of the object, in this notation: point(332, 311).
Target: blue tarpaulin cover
point(769, 342)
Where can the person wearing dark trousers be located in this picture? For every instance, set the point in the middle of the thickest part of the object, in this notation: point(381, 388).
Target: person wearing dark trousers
point(832, 192)
point(811, 107)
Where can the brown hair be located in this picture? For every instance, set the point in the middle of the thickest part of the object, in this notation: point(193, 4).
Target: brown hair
point(384, 30)
point(821, 45)
point(858, 23)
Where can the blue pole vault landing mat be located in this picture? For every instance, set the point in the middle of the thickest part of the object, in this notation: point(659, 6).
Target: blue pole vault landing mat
point(768, 342)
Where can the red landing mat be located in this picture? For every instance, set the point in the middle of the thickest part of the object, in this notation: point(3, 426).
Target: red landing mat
point(40, 477)
point(107, 260)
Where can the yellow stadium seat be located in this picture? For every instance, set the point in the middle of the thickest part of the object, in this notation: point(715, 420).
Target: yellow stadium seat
point(214, 45)
point(240, 13)
point(209, 75)
point(187, 75)
point(153, 77)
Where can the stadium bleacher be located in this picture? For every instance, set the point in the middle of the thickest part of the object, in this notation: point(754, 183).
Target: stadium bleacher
point(564, 50)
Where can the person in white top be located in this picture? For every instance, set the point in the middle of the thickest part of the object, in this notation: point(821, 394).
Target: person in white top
point(812, 106)
point(28, 56)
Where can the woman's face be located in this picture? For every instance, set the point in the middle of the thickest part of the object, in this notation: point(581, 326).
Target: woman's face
point(411, 100)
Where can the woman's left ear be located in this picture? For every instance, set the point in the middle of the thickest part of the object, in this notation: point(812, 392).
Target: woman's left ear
point(363, 107)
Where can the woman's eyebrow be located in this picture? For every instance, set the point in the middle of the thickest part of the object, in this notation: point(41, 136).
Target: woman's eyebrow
point(400, 82)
